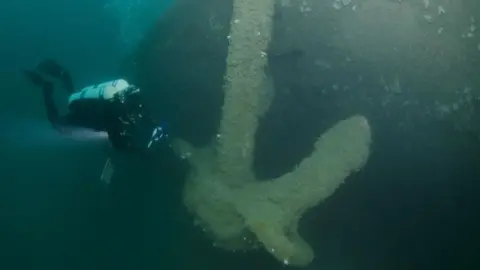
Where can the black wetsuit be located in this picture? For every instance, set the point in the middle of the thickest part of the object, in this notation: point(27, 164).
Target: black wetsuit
point(124, 118)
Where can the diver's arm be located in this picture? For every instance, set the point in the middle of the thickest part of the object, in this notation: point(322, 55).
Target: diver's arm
point(131, 126)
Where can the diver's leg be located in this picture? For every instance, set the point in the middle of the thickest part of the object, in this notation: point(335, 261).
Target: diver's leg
point(52, 68)
point(47, 89)
point(52, 111)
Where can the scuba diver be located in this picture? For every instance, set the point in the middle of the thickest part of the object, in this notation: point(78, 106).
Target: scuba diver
point(114, 107)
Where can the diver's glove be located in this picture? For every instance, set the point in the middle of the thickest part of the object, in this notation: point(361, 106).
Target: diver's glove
point(158, 133)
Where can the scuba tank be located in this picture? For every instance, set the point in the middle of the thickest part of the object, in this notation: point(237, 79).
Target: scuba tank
point(103, 91)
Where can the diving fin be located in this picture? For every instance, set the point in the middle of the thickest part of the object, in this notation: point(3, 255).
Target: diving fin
point(52, 68)
point(38, 80)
